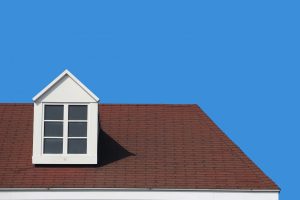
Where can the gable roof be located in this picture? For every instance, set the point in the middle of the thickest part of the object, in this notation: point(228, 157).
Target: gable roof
point(140, 146)
point(60, 77)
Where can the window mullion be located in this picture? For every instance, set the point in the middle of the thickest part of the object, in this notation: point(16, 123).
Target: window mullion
point(65, 134)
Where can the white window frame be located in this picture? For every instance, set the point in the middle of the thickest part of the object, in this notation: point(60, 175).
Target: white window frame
point(91, 157)
point(65, 122)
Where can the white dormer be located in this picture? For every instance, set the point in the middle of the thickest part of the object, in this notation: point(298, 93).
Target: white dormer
point(65, 129)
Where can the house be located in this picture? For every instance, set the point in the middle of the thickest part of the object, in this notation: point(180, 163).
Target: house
point(68, 146)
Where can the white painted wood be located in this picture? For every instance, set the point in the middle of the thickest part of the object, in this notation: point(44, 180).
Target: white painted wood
point(64, 85)
point(65, 90)
point(65, 131)
point(138, 195)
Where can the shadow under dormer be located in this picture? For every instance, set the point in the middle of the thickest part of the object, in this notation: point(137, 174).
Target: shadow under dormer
point(109, 151)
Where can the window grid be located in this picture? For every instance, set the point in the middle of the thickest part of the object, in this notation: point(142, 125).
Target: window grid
point(65, 133)
point(65, 122)
point(51, 134)
point(76, 137)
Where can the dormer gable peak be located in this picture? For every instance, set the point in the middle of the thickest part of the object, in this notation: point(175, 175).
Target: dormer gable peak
point(66, 87)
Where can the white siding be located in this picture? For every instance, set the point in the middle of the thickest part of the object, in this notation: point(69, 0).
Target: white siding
point(139, 195)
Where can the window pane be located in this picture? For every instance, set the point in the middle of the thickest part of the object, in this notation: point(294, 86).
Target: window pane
point(77, 129)
point(53, 129)
point(54, 112)
point(53, 145)
point(78, 112)
point(77, 146)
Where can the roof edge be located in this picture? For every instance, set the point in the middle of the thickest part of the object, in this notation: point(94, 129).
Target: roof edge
point(138, 189)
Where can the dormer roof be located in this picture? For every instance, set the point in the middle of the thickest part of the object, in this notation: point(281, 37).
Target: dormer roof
point(66, 88)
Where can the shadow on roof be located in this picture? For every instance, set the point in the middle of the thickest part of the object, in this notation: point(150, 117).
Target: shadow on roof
point(109, 151)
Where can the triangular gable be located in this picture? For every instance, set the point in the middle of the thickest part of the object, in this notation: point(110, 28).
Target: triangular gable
point(66, 88)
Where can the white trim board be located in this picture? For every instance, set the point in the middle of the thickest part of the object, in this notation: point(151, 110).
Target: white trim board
point(138, 189)
point(137, 195)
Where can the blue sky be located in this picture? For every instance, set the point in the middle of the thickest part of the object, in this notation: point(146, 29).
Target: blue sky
point(239, 60)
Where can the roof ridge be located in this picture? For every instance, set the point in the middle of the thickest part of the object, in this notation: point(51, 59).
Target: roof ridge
point(145, 104)
point(114, 104)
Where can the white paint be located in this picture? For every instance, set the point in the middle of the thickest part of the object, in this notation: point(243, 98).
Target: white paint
point(65, 76)
point(66, 89)
point(82, 194)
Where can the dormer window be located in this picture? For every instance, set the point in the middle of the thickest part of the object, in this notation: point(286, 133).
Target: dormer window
point(65, 123)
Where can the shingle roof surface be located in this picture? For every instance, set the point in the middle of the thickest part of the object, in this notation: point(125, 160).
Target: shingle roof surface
point(141, 146)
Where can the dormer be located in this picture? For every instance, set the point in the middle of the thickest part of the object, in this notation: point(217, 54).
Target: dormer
point(65, 127)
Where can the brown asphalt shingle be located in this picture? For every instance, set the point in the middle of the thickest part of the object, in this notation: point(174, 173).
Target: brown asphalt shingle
point(140, 146)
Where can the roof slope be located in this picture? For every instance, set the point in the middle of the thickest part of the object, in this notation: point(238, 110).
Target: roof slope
point(141, 146)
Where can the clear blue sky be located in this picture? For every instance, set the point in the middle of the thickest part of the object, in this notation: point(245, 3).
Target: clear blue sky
point(239, 60)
